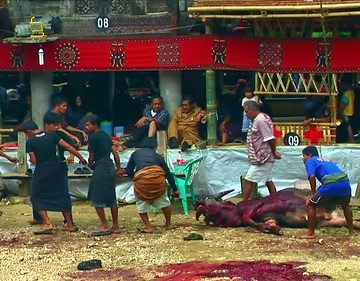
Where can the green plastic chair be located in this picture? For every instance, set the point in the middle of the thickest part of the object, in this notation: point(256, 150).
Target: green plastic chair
point(184, 176)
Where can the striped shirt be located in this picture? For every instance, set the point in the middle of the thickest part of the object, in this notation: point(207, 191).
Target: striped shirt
point(260, 132)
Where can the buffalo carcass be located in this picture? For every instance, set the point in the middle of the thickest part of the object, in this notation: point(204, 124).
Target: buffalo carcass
point(284, 208)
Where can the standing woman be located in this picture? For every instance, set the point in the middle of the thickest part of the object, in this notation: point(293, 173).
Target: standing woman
point(102, 185)
point(47, 188)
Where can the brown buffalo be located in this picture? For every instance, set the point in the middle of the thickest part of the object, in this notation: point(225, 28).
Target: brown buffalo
point(284, 208)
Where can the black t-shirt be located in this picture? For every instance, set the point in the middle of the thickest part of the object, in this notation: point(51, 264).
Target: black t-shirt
point(63, 123)
point(66, 138)
point(100, 144)
point(44, 145)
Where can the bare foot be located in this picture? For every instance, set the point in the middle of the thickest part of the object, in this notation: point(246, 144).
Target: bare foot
point(352, 233)
point(221, 144)
point(169, 227)
point(327, 216)
point(308, 236)
point(71, 228)
point(115, 229)
point(145, 230)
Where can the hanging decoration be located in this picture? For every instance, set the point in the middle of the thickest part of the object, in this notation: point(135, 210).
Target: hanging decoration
point(185, 53)
point(322, 56)
point(67, 55)
point(168, 53)
point(17, 57)
point(117, 55)
point(270, 54)
point(218, 51)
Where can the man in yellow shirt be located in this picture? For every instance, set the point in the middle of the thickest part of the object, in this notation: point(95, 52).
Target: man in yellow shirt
point(347, 107)
point(184, 125)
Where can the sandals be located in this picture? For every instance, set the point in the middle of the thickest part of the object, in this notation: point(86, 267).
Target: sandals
point(34, 222)
point(44, 231)
point(100, 232)
point(84, 170)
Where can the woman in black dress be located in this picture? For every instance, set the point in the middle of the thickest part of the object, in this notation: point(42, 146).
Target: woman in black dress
point(47, 190)
point(102, 185)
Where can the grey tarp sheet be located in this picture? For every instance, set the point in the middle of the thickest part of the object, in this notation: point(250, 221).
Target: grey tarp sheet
point(220, 170)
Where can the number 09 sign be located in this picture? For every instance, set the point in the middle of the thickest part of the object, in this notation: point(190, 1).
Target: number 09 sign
point(292, 139)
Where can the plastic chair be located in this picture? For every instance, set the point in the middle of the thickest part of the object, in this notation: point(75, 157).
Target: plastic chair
point(184, 176)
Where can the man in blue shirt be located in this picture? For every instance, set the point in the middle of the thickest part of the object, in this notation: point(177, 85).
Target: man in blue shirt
point(155, 118)
point(334, 190)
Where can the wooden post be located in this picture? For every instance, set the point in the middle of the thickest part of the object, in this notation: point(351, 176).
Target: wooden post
point(162, 141)
point(22, 153)
point(25, 182)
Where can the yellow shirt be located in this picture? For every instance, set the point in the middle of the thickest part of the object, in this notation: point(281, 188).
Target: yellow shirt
point(348, 99)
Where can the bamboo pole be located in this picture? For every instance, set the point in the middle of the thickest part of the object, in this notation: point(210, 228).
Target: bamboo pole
point(6, 130)
point(279, 16)
point(272, 8)
point(210, 99)
point(329, 74)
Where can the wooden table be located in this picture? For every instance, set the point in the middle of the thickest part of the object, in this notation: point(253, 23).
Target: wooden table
point(25, 180)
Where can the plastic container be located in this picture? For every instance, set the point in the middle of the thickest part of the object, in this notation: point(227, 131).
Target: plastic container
point(107, 127)
point(180, 159)
point(119, 131)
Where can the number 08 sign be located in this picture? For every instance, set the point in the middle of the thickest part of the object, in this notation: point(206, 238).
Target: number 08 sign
point(292, 139)
point(102, 22)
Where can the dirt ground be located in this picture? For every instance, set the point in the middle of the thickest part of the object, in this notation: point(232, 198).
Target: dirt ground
point(134, 256)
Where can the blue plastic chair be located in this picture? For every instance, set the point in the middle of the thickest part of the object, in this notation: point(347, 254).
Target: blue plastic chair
point(184, 176)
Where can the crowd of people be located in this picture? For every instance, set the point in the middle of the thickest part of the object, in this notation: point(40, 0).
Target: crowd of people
point(69, 127)
point(49, 189)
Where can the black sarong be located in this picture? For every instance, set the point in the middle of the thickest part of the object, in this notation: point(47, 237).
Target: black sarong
point(49, 187)
point(102, 184)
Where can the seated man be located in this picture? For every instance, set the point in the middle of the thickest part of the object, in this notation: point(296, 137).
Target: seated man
point(227, 126)
point(316, 110)
point(155, 117)
point(184, 125)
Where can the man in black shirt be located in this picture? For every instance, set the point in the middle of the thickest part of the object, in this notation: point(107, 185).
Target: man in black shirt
point(102, 185)
point(149, 170)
